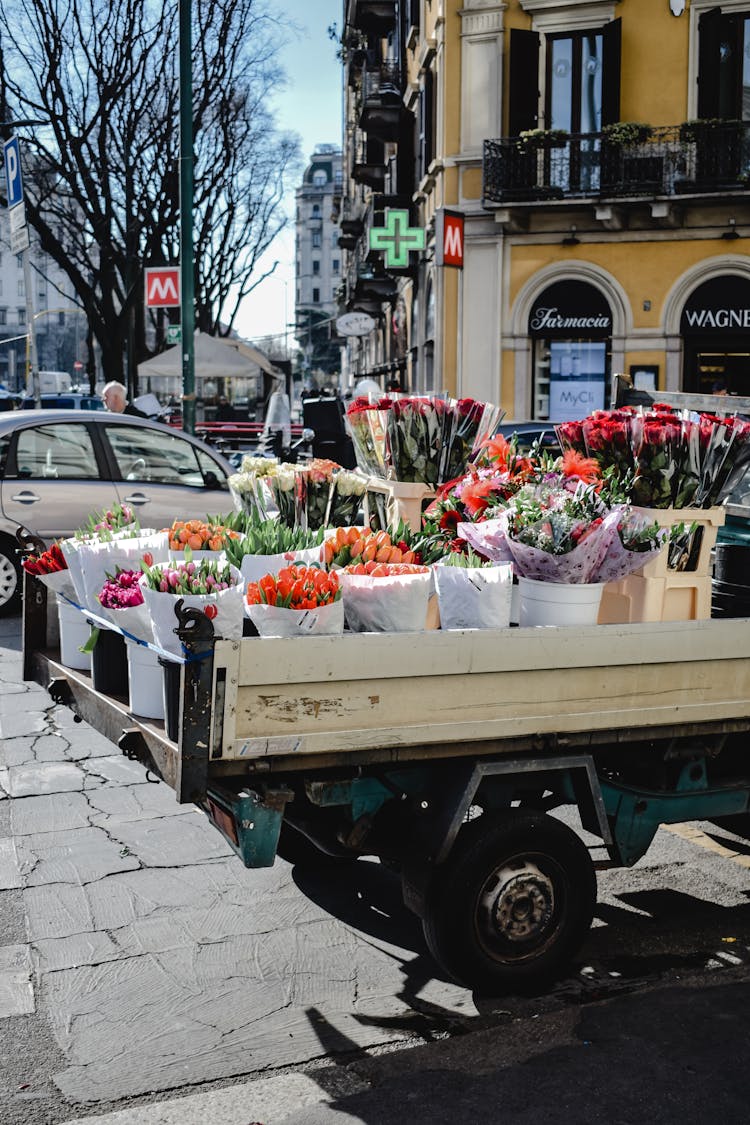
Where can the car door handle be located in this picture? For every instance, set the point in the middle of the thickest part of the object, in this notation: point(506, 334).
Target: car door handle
point(25, 498)
point(138, 499)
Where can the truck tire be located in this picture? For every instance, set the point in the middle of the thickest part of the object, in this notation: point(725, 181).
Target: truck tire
point(511, 904)
point(11, 578)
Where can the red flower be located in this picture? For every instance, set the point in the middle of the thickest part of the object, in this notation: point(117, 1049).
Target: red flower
point(584, 468)
point(449, 522)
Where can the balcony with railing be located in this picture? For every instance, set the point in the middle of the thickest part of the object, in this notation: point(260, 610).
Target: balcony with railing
point(380, 115)
point(376, 16)
point(636, 162)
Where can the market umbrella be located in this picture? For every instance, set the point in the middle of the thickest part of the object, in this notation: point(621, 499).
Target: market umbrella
point(215, 358)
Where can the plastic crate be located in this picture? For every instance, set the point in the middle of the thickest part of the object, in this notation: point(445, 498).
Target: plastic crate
point(709, 520)
point(402, 501)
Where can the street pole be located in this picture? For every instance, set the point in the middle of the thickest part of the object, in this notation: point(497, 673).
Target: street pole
point(186, 218)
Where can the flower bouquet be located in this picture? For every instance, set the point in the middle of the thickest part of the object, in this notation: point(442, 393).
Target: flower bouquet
point(314, 490)
point(51, 569)
point(414, 438)
point(348, 492)
point(358, 544)
point(300, 600)
point(108, 539)
point(386, 598)
point(121, 602)
point(467, 426)
point(268, 545)
point(247, 486)
point(198, 535)
point(211, 586)
point(281, 484)
point(366, 424)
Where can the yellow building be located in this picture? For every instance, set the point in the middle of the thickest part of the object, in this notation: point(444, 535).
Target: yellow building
point(599, 153)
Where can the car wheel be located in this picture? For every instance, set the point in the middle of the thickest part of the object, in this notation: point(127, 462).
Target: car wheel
point(11, 578)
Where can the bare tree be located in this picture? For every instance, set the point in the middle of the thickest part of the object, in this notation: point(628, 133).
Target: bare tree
point(102, 165)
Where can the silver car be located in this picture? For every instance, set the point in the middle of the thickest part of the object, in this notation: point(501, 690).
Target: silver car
point(58, 466)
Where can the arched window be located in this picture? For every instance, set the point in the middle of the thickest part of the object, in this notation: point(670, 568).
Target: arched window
point(320, 179)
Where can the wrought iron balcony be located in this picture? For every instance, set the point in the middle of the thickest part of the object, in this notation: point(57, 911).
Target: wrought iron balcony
point(377, 16)
point(381, 102)
point(368, 163)
point(693, 158)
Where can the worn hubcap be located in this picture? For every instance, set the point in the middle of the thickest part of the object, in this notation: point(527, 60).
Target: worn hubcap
point(520, 903)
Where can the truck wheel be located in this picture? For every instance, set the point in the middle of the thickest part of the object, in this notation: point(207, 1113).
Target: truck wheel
point(10, 579)
point(512, 903)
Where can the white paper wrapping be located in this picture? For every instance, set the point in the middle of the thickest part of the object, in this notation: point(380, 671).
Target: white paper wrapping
point(255, 567)
point(396, 604)
point(474, 597)
point(276, 621)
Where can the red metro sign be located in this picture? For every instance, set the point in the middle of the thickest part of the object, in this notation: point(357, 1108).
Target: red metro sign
point(449, 238)
point(162, 287)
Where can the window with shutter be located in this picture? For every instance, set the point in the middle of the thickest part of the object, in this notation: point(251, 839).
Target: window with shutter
point(724, 65)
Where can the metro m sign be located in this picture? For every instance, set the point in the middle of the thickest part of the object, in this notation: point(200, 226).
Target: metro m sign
point(162, 287)
point(449, 239)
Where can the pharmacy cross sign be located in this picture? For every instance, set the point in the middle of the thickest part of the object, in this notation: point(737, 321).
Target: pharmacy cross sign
point(397, 238)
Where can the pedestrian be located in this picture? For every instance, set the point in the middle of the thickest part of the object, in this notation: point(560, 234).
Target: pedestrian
point(115, 398)
point(393, 385)
point(225, 410)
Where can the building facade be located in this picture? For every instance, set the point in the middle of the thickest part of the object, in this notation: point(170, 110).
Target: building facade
point(318, 268)
point(59, 327)
point(599, 153)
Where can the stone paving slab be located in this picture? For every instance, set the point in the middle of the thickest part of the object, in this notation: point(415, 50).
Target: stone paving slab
point(10, 873)
point(45, 777)
point(78, 856)
point(16, 989)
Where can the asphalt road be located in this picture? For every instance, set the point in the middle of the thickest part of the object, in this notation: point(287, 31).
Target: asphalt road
point(147, 978)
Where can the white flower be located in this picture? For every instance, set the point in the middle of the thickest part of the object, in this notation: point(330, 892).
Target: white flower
point(350, 484)
point(260, 466)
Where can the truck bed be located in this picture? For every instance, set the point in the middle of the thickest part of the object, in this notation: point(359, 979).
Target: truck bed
point(395, 697)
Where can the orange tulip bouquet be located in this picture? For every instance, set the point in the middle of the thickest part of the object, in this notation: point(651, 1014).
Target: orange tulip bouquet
point(298, 601)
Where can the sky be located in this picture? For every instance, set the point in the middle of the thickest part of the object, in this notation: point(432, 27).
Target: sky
point(309, 106)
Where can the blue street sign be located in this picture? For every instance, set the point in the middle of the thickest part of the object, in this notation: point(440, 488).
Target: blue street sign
point(13, 181)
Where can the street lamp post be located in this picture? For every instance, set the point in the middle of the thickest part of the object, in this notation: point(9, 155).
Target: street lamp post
point(186, 218)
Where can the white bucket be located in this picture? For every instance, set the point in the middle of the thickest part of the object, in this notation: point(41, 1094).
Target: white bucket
point(146, 690)
point(74, 634)
point(558, 603)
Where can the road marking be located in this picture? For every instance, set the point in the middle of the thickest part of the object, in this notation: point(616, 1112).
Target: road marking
point(696, 836)
point(267, 1100)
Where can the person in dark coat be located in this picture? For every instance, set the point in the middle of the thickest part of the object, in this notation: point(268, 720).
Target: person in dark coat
point(115, 398)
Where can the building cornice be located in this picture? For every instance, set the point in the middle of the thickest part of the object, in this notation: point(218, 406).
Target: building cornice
point(568, 15)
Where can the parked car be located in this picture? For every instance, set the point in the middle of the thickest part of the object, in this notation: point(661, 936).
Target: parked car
point(531, 432)
point(58, 466)
point(71, 400)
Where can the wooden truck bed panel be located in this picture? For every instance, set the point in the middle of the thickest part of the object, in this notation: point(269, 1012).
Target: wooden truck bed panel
point(357, 693)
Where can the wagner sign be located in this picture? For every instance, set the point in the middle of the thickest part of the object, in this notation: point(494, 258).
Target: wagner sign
point(571, 309)
point(721, 305)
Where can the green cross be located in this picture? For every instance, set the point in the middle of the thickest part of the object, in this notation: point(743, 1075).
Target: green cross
point(397, 238)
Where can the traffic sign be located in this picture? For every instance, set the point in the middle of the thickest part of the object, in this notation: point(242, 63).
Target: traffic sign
point(19, 240)
point(78, 366)
point(174, 334)
point(163, 287)
point(13, 179)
